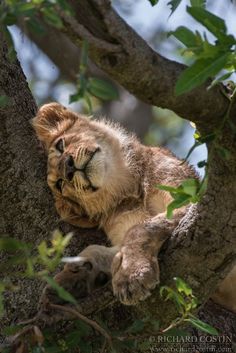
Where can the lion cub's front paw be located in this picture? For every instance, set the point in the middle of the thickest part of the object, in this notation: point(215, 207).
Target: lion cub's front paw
point(133, 277)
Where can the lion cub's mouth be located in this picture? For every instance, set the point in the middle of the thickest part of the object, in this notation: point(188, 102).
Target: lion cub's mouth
point(84, 172)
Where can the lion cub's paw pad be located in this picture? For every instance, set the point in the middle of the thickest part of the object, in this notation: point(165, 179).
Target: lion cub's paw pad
point(133, 280)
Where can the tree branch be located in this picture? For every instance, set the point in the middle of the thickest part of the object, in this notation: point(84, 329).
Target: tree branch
point(143, 72)
point(59, 48)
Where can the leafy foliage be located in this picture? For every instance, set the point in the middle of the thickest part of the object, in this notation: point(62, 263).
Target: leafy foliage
point(153, 2)
point(185, 303)
point(48, 257)
point(91, 86)
point(196, 74)
point(12, 11)
point(198, 3)
point(173, 5)
point(209, 59)
point(189, 191)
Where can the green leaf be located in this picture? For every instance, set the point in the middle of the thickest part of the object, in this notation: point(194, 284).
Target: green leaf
point(89, 103)
point(102, 89)
point(190, 186)
point(212, 22)
point(51, 17)
point(62, 293)
point(169, 188)
point(182, 200)
point(170, 294)
point(185, 36)
point(197, 74)
point(25, 8)
point(74, 98)
point(194, 302)
point(198, 3)
point(173, 5)
point(202, 325)
point(153, 2)
point(4, 100)
point(11, 244)
point(182, 286)
point(163, 289)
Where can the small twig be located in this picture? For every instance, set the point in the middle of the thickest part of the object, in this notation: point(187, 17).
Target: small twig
point(83, 33)
point(29, 321)
point(80, 316)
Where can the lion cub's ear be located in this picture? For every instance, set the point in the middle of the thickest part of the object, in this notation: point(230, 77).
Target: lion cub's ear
point(51, 121)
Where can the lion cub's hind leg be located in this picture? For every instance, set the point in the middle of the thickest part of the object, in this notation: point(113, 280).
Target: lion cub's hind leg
point(83, 274)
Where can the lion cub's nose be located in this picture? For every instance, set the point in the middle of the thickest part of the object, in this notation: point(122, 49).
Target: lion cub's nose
point(69, 168)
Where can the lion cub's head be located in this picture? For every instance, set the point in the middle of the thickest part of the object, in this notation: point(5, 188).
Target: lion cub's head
point(85, 157)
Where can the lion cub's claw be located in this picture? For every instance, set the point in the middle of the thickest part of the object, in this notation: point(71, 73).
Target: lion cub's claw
point(133, 278)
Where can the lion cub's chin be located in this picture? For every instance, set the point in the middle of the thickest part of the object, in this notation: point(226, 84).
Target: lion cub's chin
point(98, 170)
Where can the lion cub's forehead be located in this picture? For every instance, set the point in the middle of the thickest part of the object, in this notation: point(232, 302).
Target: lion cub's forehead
point(99, 130)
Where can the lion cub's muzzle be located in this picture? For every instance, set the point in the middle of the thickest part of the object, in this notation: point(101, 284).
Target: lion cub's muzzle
point(70, 165)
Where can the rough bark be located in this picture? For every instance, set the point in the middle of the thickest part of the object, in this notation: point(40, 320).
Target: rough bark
point(27, 211)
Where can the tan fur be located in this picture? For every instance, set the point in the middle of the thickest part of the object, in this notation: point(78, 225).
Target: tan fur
point(112, 186)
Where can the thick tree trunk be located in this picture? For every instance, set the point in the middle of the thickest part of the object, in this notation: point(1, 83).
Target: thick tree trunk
point(26, 208)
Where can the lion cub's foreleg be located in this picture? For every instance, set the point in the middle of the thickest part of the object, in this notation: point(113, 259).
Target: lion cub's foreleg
point(135, 268)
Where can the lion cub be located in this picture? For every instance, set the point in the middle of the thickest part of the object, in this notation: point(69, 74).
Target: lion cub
point(102, 176)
